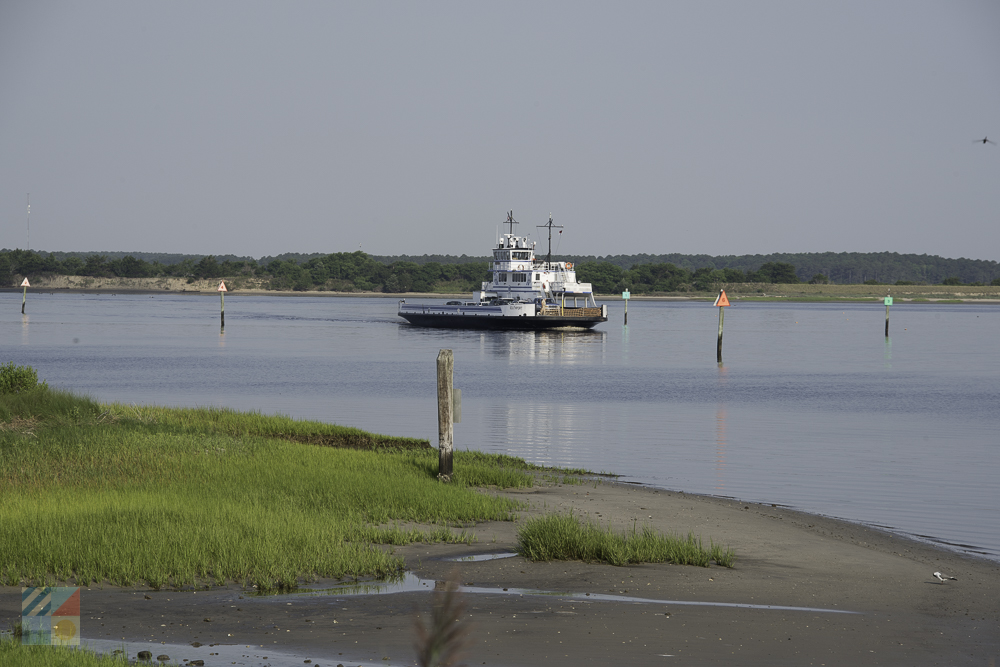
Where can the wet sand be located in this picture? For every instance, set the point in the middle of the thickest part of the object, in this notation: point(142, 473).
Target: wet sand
point(901, 614)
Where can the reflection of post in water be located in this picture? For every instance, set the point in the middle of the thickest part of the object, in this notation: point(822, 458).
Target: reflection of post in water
point(887, 355)
point(624, 343)
point(24, 329)
point(720, 447)
point(720, 431)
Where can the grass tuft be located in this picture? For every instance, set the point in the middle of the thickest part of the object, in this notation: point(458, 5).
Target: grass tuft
point(565, 537)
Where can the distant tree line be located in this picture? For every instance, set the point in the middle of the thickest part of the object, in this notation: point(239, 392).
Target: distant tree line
point(608, 278)
point(358, 271)
point(343, 271)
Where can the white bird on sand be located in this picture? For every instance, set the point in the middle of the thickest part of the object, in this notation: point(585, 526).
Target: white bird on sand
point(943, 577)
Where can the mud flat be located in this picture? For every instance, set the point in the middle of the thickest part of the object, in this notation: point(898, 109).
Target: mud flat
point(805, 590)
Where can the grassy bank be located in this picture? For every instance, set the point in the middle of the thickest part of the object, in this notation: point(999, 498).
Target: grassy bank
point(94, 493)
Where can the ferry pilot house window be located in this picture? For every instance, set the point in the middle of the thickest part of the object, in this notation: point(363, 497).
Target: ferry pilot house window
point(522, 255)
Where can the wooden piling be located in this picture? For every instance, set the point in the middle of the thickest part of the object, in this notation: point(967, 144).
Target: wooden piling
point(718, 351)
point(222, 295)
point(888, 302)
point(24, 296)
point(626, 295)
point(445, 391)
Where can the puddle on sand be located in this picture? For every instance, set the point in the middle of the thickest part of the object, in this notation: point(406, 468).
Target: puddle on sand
point(241, 655)
point(410, 583)
point(481, 557)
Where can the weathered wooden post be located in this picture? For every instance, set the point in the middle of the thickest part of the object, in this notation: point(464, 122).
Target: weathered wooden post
point(888, 302)
point(721, 301)
point(24, 296)
point(446, 406)
point(222, 295)
point(625, 297)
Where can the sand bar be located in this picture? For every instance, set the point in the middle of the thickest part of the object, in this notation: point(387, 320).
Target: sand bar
point(902, 614)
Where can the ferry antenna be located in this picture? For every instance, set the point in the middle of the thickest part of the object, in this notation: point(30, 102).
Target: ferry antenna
point(548, 256)
point(511, 221)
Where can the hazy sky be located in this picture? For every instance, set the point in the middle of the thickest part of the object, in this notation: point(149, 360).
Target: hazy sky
point(695, 127)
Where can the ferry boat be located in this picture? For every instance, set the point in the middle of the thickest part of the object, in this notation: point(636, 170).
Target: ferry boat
point(524, 292)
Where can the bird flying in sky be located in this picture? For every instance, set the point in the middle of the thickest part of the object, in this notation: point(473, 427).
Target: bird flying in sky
point(984, 140)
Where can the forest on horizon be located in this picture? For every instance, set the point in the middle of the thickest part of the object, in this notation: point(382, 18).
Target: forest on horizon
point(644, 273)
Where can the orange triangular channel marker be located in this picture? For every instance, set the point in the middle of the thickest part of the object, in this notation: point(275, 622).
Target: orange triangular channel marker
point(222, 287)
point(721, 300)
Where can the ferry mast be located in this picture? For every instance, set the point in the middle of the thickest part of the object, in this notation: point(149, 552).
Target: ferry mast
point(548, 255)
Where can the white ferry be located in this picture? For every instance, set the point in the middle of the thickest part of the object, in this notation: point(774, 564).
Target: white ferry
point(524, 292)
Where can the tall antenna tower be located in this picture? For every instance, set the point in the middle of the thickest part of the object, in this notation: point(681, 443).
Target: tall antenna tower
point(28, 233)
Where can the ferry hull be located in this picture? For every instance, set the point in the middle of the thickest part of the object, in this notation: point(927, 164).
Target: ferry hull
point(526, 323)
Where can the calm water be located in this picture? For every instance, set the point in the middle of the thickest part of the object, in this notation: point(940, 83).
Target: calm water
point(813, 408)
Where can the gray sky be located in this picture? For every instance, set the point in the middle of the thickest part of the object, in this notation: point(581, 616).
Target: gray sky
point(694, 127)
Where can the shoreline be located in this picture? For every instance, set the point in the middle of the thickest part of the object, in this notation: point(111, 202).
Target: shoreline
point(816, 565)
point(777, 298)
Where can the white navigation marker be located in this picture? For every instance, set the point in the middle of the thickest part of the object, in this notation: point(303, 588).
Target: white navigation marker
point(944, 577)
point(24, 297)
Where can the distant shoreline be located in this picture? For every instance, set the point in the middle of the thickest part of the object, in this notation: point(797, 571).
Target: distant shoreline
point(769, 298)
point(801, 292)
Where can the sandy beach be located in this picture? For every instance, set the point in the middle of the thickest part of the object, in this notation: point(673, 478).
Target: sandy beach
point(814, 569)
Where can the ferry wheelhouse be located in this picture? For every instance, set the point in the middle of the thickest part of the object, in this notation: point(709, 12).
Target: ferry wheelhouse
point(524, 292)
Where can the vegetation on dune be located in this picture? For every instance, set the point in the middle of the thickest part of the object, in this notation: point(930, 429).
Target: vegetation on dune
point(566, 537)
point(342, 271)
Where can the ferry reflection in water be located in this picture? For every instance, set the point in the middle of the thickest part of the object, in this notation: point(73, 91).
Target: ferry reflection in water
point(543, 346)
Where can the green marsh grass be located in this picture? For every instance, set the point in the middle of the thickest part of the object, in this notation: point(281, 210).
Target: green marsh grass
point(231, 422)
point(565, 537)
point(127, 494)
point(14, 654)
